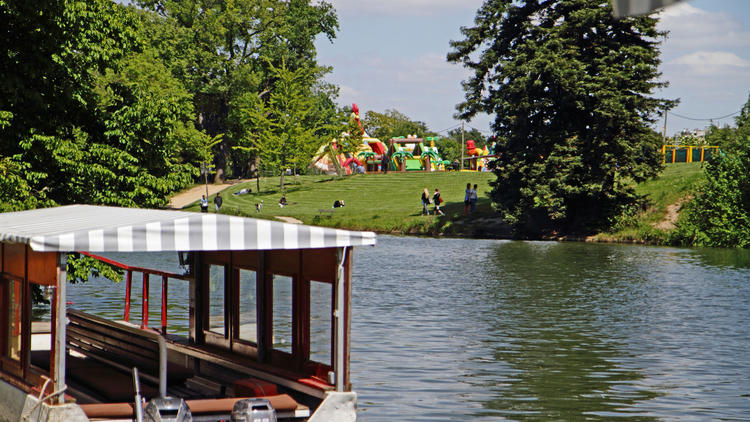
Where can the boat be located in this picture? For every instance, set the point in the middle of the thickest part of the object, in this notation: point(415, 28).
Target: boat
point(247, 352)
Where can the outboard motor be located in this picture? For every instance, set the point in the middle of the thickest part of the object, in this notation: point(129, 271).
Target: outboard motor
point(167, 409)
point(253, 410)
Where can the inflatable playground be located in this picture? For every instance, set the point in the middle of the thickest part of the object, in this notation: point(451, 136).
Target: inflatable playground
point(410, 154)
point(402, 154)
point(478, 158)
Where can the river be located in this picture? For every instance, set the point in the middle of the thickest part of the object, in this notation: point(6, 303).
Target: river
point(450, 330)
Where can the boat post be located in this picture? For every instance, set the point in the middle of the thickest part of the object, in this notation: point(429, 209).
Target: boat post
point(60, 336)
point(340, 315)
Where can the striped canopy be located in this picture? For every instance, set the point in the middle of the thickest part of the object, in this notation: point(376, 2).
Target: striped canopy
point(91, 228)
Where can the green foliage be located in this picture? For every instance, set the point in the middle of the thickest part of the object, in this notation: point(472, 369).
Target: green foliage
point(283, 129)
point(226, 52)
point(449, 149)
point(99, 119)
point(570, 88)
point(720, 213)
point(391, 124)
point(81, 267)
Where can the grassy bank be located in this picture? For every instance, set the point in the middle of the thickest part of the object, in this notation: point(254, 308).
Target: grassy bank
point(661, 203)
point(390, 203)
point(387, 203)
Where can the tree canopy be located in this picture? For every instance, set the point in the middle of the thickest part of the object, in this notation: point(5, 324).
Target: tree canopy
point(91, 115)
point(570, 88)
point(225, 51)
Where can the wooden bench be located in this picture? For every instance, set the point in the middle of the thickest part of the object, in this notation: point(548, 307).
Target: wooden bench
point(119, 347)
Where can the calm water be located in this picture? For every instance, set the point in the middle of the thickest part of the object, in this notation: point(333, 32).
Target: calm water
point(497, 330)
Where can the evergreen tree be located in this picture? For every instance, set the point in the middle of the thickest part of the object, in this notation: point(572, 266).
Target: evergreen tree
point(570, 88)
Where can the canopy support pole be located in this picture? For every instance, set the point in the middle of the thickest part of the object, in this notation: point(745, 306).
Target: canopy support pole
point(60, 336)
point(340, 316)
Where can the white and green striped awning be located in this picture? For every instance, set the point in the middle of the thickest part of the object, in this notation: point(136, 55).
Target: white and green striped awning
point(110, 229)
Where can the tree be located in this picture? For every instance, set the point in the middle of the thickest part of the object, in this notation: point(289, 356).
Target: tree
point(223, 51)
point(391, 124)
point(450, 148)
point(286, 129)
point(720, 213)
point(570, 88)
point(88, 114)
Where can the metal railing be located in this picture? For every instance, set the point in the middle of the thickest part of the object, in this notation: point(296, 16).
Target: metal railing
point(147, 272)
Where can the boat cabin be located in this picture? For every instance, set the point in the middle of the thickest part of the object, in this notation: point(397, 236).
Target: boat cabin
point(268, 318)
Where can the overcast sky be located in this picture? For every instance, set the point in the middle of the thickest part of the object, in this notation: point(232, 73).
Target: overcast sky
point(390, 54)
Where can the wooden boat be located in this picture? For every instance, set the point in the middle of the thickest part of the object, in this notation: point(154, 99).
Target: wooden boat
point(79, 366)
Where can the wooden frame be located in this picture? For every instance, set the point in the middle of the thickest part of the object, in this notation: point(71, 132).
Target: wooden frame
point(302, 266)
point(23, 267)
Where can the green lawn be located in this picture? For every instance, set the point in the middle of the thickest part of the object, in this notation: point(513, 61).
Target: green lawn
point(390, 203)
point(676, 183)
point(381, 202)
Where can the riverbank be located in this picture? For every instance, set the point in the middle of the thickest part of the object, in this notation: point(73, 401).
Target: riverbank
point(390, 203)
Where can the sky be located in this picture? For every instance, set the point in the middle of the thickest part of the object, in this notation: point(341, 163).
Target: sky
point(390, 54)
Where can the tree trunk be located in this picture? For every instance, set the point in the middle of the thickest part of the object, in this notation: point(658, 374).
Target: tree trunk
point(256, 170)
point(221, 163)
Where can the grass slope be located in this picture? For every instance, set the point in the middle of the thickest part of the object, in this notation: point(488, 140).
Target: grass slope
point(387, 203)
point(675, 184)
point(390, 203)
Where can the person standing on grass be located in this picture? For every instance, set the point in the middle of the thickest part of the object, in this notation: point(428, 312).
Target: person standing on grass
point(425, 202)
point(437, 200)
point(218, 201)
point(474, 198)
point(467, 198)
point(204, 204)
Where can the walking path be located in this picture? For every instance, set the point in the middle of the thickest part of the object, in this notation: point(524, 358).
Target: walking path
point(288, 219)
point(187, 197)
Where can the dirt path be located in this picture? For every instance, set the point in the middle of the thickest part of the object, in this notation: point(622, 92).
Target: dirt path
point(187, 197)
point(288, 219)
point(673, 211)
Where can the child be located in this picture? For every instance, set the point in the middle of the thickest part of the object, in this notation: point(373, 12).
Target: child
point(437, 200)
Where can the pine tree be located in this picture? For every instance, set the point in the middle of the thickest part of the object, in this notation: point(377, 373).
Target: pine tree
point(570, 90)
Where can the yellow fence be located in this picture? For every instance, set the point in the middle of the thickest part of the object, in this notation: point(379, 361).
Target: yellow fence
point(687, 153)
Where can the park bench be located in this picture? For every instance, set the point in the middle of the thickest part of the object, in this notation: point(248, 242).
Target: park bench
point(112, 349)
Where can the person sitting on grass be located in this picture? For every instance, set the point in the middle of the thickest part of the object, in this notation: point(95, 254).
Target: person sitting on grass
point(338, 203)
point(282, 201)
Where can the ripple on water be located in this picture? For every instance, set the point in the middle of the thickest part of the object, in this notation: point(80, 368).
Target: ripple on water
point(452, 329)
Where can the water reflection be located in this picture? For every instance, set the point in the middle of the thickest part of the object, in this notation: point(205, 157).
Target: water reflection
point(452, 329)
point(494, 330)
point(552, 304)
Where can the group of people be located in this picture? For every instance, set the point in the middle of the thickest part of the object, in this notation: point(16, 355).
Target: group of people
point(218, 200)
point(436, 199)
point(470, 200)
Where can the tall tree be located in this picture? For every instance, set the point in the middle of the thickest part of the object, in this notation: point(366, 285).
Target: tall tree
point(285, 130)
point(571, 91)
point(224, 49)
point(94, 116)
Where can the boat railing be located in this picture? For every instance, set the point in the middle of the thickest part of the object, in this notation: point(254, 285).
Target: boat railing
point(147, 273)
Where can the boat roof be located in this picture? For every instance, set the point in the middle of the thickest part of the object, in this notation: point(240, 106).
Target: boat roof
point(111, 229)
